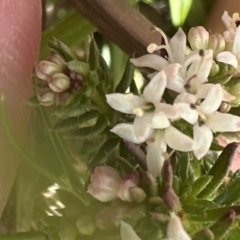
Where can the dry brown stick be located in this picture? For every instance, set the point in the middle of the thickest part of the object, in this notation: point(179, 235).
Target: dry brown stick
point(120, 23)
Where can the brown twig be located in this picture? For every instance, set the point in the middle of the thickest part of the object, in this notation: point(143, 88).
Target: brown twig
point(120, 23)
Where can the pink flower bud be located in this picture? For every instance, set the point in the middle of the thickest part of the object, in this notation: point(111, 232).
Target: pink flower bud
point(58, 60)
point(59, 82)
point(46, 97)
point(198, 38)
point(216, 43)
point(45, 69)
point(124, 190)
point(105, 184)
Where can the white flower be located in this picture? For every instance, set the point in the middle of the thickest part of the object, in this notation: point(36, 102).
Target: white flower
point(175, 230)
point(209, 119)
point(231, 23)
point(231, 57)
point(150, 112)
point(176, 49)
point(157, 144)
point(193, 72)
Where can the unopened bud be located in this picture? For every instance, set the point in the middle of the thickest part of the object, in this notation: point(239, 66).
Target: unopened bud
point(215, 69)
point(198, 38)
point(137, 194)
point(233, 87)
point(216, 43)
point(171, 199)
point(45, 69)
point(85, 225)
point(58, 60)
point(46, 98)
point(59, 82)
point(105, 183)
point(124, 190)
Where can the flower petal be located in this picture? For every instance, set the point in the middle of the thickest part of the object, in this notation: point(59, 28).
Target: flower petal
point(187, 113)
point(160, 121)
point(127, 232)
point(228, 58)
point(203, 138)
point(154, 90)
point(142, 127)
point(171, 71)
point(175, 230)
point(177, 84)
point(223, 122)
point(178, 46)
point(213, 100)
point(125, 131)
point(185, 97)
point(177, 140)
point(236, 43)
point(125, 103)
point(155, 149)
point(153, 61)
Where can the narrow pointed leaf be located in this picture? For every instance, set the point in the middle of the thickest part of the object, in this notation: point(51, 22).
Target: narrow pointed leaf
point(105, 150)
point(63, 50)
point(100, 125)
point(75, 122)
point(200, 184)
point(79, 67)
point(231, 193)
point(126, 79)
point(222, 226)
point(94, 56)
point(219, 170)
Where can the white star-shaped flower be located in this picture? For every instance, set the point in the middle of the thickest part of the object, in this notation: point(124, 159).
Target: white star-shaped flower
point(150, 112)
point(206, 117)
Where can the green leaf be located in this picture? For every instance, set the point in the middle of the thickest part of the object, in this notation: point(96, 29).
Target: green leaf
point(118, 62)
point(179, 11)
point(219, 170)
point(126, 79)
point(222, 226)
point(75, 122)
point(231, 193)
point(100, 125)
point(75, 106)
point(62, 49)
point(70, 30)
point(105, 150)
point(79, 67)
point(200, 184)
point(94, 56)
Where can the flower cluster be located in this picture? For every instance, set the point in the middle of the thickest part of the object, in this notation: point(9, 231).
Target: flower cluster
point(57, 80)
point(198, 104)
